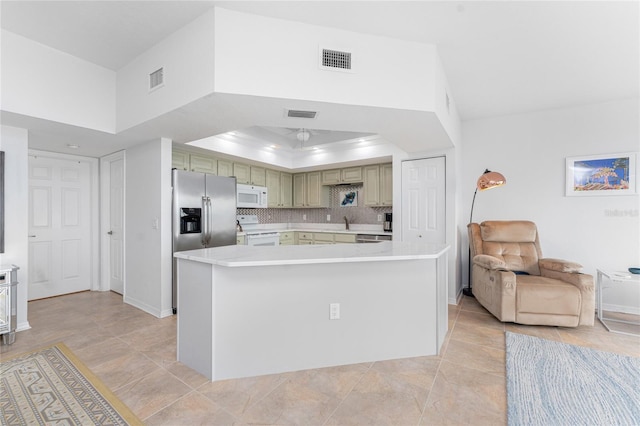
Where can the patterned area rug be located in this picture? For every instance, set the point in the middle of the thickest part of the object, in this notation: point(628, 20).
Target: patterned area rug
point(554, 383)
point(51, 386)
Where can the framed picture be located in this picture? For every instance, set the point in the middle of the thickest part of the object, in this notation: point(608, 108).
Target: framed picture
point(348, 198)
point(609, 174)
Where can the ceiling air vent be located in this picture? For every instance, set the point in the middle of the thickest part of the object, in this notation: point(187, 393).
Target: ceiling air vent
point(335, 60)
point(156, 79)
point(301, 114)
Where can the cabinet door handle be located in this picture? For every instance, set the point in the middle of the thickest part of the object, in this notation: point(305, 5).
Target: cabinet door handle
point(110, 232)
point(32, 236)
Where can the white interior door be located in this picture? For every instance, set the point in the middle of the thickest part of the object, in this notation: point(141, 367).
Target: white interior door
point(116, 228)
point(423, 200)
point(60, 254)
point(112, 188)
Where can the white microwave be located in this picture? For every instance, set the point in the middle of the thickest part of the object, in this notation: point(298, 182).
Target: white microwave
point(250, 196)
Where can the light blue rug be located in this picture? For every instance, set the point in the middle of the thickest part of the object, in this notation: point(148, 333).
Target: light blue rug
point(553, 383)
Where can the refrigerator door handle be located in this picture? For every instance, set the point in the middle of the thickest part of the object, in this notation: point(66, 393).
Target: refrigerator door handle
point(205, 222)
point(209, 221)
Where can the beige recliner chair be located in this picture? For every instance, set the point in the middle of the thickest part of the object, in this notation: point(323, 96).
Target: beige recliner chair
point(511, 280)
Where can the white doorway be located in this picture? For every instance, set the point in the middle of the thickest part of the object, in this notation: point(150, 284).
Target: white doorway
point(423, 200)
point(62, 219)
point(112, 222)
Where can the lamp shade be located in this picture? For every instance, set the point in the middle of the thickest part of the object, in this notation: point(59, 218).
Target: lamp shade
point(490, 180)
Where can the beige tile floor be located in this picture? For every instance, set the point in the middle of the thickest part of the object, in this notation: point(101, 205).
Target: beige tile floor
point(134, 354)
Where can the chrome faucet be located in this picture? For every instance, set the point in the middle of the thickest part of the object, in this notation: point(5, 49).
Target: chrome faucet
point(346, 223)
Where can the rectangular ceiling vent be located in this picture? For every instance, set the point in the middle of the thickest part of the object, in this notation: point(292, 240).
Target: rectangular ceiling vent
point(301, 114)
point(156, 79)
point(335, 60)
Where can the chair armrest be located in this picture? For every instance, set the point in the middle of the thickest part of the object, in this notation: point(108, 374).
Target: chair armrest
point(489, 262)
point(584, 283)
point(559, 265)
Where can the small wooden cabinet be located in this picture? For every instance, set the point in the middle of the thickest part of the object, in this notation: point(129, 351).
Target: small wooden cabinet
point(180, 160)
point(258, 176)
point(308, 190)
point(249, 175)
point(225, 168)
point(338, 176)
point(287, 238)
point(304, 238)
point(344, 238)
point(299, 189)
point(386, 184)
point(322, 238)
point(279, 186)
point(331, 177)
point(317, 195)
point(200, 163)
point(286, 190)
point(378, 185)
point(352, 175)
point(242, 172)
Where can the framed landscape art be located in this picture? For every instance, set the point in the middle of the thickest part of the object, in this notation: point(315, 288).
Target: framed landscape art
point(609, 174)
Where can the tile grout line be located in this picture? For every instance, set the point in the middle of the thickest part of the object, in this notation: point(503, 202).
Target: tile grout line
point(348, 393)
point(435, 377)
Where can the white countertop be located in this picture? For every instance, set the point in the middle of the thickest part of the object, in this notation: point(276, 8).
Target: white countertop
point(241, 255)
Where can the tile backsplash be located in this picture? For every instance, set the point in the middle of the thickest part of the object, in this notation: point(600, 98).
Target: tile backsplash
point(359, 214)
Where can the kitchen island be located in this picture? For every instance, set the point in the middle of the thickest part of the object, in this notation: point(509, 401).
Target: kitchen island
point(247, 311)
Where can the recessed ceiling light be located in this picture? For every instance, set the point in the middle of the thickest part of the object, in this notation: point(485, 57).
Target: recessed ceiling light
point(361, 140)
point(73, 146)
point(273, 146)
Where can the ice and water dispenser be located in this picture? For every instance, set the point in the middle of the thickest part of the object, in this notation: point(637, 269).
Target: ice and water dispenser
point(190, 220)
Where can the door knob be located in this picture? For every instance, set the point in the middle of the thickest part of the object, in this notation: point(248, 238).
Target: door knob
point(110, 232)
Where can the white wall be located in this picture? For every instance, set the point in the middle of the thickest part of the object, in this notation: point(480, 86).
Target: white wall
point(42, 82)
point(277, 58)
point(530, 150)
point(444, 105)
point(187, 57)
point(147, 200)
point(13, 141)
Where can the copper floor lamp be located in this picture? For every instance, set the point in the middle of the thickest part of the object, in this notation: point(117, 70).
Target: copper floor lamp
point(486, 181)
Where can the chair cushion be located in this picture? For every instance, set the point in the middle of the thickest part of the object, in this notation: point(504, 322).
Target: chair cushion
point(547, 296)
point(508, 231)
point(516, 256)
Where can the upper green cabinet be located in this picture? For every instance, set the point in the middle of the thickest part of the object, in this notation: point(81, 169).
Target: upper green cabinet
point(279, 188)
point(286, 190)
point(249, 175)
point(194, 162)
point(378, 185)
point(225, 168)
point(180, 160)
point(339, 176)
point(200, 163)
point(308, 190)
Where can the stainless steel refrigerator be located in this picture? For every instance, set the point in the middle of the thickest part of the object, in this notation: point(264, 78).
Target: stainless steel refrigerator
point(204, 214)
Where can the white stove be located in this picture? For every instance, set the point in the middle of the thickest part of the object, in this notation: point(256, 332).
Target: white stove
point(255, 236)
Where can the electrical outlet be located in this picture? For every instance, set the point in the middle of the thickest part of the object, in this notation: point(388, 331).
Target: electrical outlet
point(328, 218)
point(304, 217)
point(379, 218)
point(334, 311)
